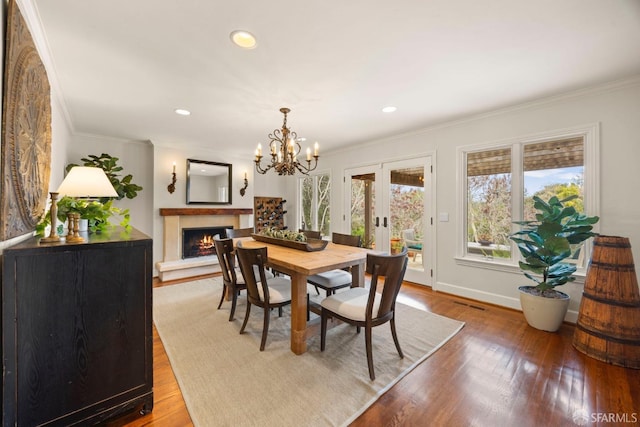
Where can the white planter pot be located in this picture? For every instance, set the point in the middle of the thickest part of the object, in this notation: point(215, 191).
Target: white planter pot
point(83, 225)
point(546, 314)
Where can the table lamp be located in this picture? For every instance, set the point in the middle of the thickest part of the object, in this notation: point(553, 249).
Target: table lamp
point(84, 182)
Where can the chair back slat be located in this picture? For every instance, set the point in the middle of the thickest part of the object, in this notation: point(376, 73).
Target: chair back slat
point(392, 268)
point(346, 239)
point(250, 257)
point(226, 259)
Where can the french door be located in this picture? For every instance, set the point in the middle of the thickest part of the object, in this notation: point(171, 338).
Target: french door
point(389, 205)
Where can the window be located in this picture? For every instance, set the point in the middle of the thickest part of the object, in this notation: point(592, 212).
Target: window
point(501, 181)
point(315, 198)
point(489, 202)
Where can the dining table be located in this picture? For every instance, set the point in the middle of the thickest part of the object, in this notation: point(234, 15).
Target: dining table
point(298, 265)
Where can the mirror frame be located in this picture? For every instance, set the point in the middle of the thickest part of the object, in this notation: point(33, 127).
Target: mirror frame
point(191, 162)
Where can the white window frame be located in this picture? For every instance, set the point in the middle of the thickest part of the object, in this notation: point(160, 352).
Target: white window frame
point(591, 137)
point(314, 202)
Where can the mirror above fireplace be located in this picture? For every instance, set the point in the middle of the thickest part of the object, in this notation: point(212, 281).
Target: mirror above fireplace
point(208, 183)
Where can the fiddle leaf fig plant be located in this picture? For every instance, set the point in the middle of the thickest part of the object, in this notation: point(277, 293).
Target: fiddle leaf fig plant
point(547, 241)
point(123, 186)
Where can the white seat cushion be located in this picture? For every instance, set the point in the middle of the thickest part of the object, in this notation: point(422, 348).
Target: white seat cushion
point(351, 303)
point(256, 273)
point(279, 289)
point(330, 279)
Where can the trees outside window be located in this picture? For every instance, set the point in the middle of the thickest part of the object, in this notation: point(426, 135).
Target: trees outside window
point(553, 167)
point(315, 197)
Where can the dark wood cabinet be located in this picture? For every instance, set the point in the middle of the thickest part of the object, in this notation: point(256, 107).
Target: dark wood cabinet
point(77, 329)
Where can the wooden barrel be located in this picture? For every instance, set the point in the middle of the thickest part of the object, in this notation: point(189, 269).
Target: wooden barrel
point(608, 326)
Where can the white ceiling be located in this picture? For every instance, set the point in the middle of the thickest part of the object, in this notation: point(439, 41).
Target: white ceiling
point(123, 66)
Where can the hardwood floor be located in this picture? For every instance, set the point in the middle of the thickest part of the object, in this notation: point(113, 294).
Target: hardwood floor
point(496, 371)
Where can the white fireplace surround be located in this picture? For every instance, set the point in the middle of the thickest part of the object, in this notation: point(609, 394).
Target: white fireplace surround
point(172, 266)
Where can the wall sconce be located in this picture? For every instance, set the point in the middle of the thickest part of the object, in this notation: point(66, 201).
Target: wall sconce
point(172, 187)
point(246, 184)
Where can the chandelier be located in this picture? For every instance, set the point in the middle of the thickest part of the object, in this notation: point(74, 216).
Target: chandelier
point(284, 149)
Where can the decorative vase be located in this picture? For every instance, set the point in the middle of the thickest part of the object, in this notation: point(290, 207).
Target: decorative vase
point(83, 225)
point(544, 313)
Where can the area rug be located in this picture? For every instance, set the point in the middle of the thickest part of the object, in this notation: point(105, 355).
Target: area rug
point(227, 381)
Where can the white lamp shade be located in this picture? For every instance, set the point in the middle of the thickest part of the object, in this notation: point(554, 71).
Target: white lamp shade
point(86, 181)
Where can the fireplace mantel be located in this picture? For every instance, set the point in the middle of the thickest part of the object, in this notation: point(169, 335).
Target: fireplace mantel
point(204, 211)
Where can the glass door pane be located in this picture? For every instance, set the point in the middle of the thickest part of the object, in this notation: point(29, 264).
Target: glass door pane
point(407, 224)
point(388, 209)
point(362, 203)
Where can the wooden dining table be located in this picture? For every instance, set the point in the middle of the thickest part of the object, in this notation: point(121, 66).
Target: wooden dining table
point(299, 265)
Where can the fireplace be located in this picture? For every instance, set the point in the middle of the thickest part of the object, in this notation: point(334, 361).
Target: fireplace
point(197, 242)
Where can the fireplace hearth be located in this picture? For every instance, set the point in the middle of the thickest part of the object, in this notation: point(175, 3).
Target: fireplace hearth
point(198, 242)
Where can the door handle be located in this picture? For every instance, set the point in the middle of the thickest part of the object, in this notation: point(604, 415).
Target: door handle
point(384, 222)
point(377, 221)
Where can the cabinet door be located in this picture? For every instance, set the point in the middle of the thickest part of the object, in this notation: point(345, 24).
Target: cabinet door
point(81, 335)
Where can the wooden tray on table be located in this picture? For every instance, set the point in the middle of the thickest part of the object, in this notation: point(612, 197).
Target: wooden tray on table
point(311, 245)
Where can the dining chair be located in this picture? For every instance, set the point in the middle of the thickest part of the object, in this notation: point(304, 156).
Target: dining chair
point(262, 292)
point(409, 237)
point(332, 280)
point(232, 278)
point(367, 307)
point(238, 232)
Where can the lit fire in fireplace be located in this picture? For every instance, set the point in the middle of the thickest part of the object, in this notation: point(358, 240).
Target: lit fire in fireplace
point(206, 246)
point(199, 241)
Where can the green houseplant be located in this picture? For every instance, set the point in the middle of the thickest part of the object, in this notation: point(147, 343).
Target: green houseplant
point(123, 185)
point(97, 212)
point(545, 243)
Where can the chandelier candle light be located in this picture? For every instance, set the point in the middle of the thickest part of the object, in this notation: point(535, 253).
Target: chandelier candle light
point(284, 149)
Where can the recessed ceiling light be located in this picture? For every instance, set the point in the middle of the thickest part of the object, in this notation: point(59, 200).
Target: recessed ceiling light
point(244, 39)
point(389, 109)
point(182, 112)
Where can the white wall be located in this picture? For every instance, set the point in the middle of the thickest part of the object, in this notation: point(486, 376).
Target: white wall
point(616, 107)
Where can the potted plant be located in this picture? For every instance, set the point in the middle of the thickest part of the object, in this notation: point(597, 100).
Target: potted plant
point(95, 212)
point(123, 186)
point(545, 243)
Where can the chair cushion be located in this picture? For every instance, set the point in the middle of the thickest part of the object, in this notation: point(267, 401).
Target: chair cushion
point(256, 273)
point(279, 290)
point(331, 279)
point(351, 303)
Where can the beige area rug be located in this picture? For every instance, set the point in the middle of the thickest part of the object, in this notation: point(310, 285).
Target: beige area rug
point(227, 381)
